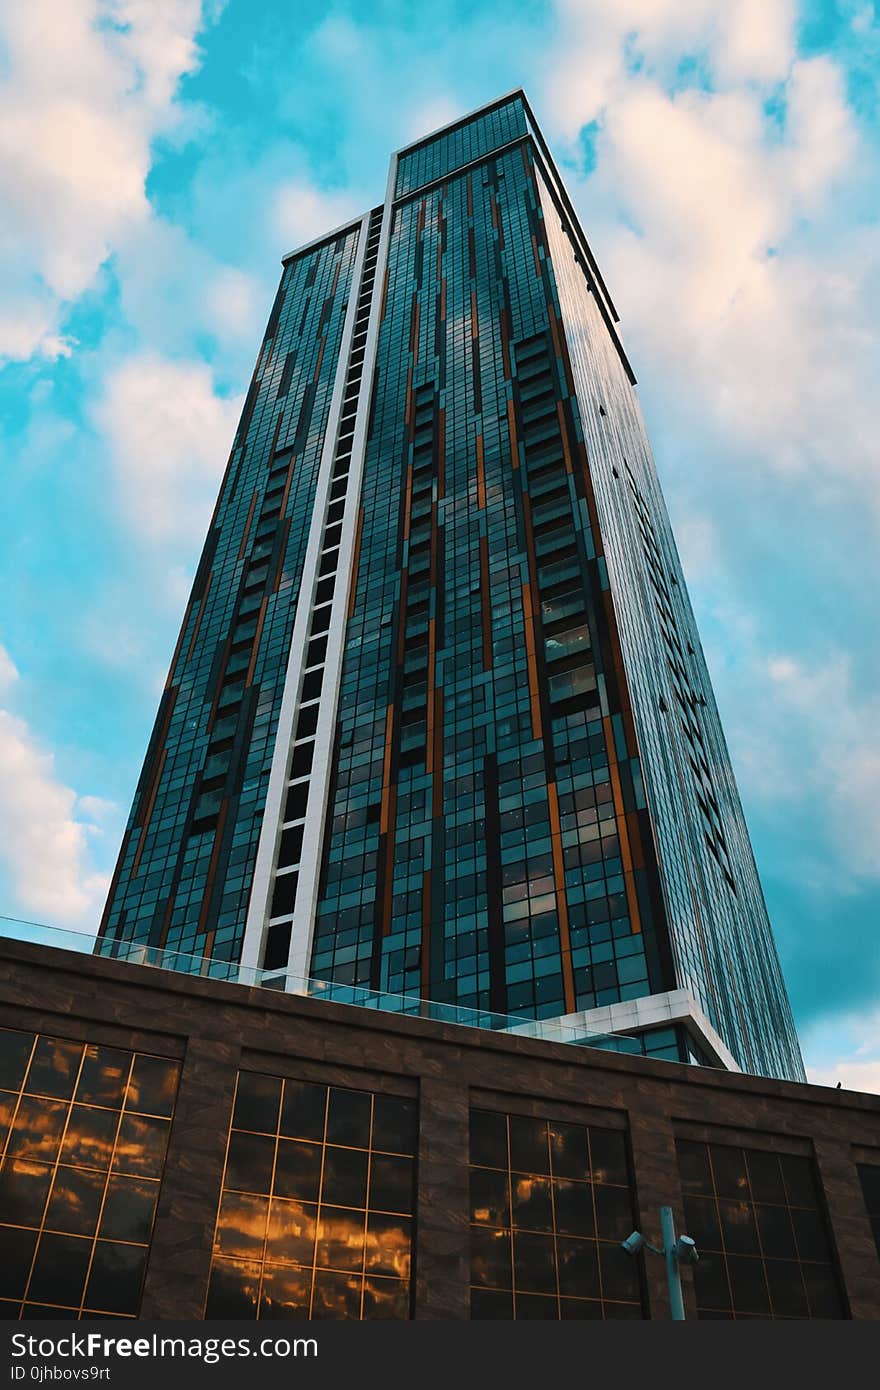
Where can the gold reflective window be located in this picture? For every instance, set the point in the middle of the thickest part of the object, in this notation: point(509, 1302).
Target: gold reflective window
point(549, 1206)
point(83, 1133)
point(316, 1211)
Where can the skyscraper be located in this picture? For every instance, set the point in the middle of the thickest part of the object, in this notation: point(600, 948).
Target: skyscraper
point(438, 721)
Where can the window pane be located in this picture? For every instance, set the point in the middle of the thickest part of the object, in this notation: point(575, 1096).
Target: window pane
point(18, 1252)
point(386, 1298)
point(394, 1124)
point(233, 1290)
point(291, 1238)
point(729, 1168)
point(345, 1178)
point(341, 1239)
point(532, 1207)
point(765, 1176)
point(53, 1068)
point(23, 1190)
point(614, 1216)
point(738, 1228)
point(75, 1201)
point(574, 1208)
point(578, 1268)
point(286, 1292)
point(491, 1258)
point(391, 1183)
point(302, 1112)
point(568, 1150)
point(336, 1295)
point(693, 1167)
point(116, 1277)
point(608, 1156)
point(388, 1248)
point(620, 1274)
point(15, 1049)
point(809, 1232)
point(140, 1148)
point(488, 1137)
point(249, 1162)
point(533, 1263)
point(701, 1223)
point(256, 1103)
point(776, 1234)
point(297, 1170)
point(153, 1086)
point(89, 1138)
point(129, 1208)
point(490, 1201)
point(37, 1129)
point(823, 1294)
point(747, 1285)
point(710, 1281)
point(491, 1304)
point(103, 1077)
point(241, 1227)
point(787, 1293)
point(529, 1149)
point(799, 1185)
point(348, 1118)
point(60, 1269)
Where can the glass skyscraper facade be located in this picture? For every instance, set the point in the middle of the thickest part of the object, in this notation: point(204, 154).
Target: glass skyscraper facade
point(438, 722)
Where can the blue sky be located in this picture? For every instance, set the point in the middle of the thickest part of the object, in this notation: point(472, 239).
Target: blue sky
point(158, 157)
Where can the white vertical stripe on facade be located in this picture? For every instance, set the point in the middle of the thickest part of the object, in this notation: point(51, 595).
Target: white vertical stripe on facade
point(276, 794)
point(319, 787)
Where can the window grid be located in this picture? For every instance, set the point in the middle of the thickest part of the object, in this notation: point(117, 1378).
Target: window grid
point(242, 1282)
point(608, 1284)
point(117, 1178)
point(758, 1223)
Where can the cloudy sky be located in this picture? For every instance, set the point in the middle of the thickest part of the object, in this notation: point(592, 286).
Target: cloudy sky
point(158, 157)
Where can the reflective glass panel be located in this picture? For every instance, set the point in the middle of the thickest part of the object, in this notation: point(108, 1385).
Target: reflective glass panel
point(758, 1222)
point(318, 1194)
point(81, 1175)
point(550, 1203)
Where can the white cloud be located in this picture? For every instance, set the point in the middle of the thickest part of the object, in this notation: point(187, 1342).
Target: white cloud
point(844, 1048)
point(169, 435)
point(43, 846)
point(8, 671)
point(829, 729)
point(87, 86)
point(745, 298)
point(812, 751)
point(601, 44)
point(853, 1075)
point(303, 212)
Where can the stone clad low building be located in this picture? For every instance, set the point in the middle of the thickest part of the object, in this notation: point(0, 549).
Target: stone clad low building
point(179, 1147)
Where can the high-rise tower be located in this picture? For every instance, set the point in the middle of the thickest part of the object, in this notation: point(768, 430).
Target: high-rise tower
point(438, 721)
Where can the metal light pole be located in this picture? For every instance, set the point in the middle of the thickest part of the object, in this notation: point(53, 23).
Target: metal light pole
point(675, 1252)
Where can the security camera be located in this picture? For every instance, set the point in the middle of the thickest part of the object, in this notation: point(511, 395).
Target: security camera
point(686, 1251)
point(633, 1243)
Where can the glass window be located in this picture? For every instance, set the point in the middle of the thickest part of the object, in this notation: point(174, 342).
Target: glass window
point(758, 1224)
point(80, 1174)
point(549, 1204)
point(318, 1194)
